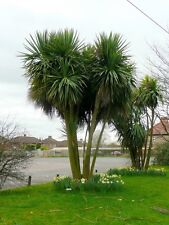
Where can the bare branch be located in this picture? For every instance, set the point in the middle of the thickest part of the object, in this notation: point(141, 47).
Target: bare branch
point(12, 157)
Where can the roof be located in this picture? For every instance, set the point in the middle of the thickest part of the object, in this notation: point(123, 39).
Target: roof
point(62, 143)
point(26, 140)
point(161, 128)
point(49, 140)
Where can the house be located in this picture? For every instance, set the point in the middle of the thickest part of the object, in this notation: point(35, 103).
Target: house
point(62, 144)
point(161, 131)
point(50, 143)
point(26, 140)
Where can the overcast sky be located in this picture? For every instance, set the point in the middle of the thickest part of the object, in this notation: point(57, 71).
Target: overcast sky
point(20, 18)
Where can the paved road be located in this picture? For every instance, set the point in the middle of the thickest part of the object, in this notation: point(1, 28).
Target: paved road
point(45, 169)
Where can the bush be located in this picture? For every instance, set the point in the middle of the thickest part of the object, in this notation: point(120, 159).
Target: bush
point(29, 147)
point(44, 148)
point(100, 182)
point(38, 145)
point(134, 172)
point(13, 158)
point(161, 156)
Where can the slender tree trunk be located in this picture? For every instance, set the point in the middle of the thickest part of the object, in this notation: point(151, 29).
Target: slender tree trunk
point(71, 128)
point(140, 155)
point(97, 149)
point(84, 144)
point(86, 165)
point(132, 157)
point(151, 141)
point(137, 158)
point(141, 158)
point(146, 141)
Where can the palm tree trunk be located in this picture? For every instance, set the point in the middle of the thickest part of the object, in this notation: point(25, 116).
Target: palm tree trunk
point(132, 156)
point(151, 141)
point(140, 156)
point(71, 128)
point(84, 143)
point(146, 142)
point(86, 164)
point(97, 149)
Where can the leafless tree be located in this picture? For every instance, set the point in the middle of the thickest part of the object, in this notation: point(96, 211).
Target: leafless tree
point(12, 157)
point(160, 69)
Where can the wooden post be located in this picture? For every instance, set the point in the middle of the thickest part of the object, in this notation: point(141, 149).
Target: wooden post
point(29, 180)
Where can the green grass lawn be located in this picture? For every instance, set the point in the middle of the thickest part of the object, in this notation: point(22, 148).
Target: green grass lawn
point(142, 200)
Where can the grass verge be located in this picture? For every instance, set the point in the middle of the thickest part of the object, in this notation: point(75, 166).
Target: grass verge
point(143, 200)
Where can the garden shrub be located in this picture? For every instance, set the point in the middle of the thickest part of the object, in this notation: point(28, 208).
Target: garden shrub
point(161, 155)
point(29, 147)
point(38, 145)
point(134, 172)
point(99, 182)
point(44, 148)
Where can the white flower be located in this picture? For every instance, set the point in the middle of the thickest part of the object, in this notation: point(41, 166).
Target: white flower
point(83, 180)
point(114, 175)
point(68, 189)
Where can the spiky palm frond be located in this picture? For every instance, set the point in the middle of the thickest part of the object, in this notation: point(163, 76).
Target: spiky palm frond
point(113, 74)
point(149, 93)
point(115, 71)
point(130, 128)
point(54, 67)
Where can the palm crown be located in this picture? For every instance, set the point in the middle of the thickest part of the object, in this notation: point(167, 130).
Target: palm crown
point(55, 70)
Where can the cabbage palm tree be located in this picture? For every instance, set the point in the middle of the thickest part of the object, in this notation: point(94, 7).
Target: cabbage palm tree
point(149, 96)
point(133, 128)
point(57, 80)
point(80, 84)
point(112, 82)
point(132, 133)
